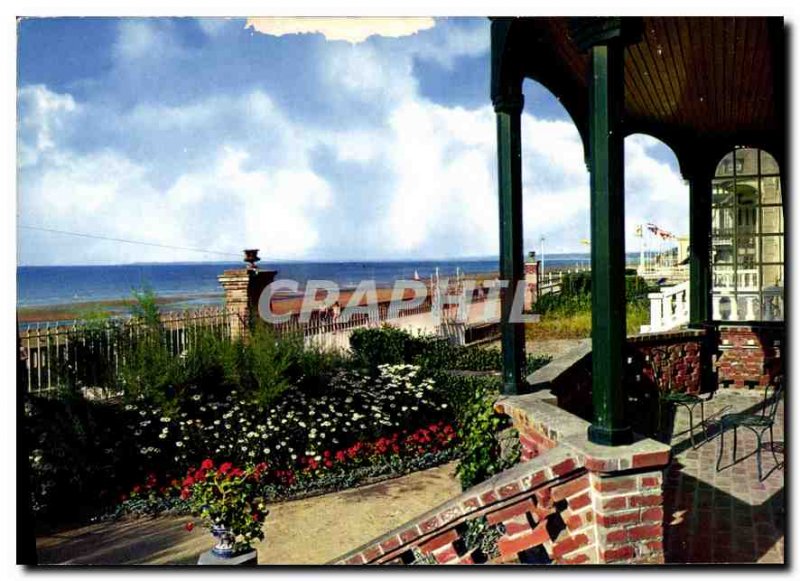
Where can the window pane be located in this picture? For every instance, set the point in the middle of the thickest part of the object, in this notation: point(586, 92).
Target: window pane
point(722, 222)
point(768, 163)
point(772, 220)
point(746, 162)
point(722, 278)
point(771, 190)
point(725, 167)
point(722, 192)
point(772, 293)
point(749, 306)
point(772, 249)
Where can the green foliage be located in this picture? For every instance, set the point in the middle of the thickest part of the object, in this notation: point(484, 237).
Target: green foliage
point(145, 307)
point(479, 535)
point(228, 497)
point(265, 362)
point(79, 455)
point(374, 347)
point(477, 425)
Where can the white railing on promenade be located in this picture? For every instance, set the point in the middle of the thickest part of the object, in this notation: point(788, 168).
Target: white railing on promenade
point(669, 308)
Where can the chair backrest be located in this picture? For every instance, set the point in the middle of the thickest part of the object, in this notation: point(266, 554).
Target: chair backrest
point(772, 404)
point(662, 372)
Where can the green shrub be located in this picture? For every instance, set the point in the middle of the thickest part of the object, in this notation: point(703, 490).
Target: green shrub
point(373, 347)
point(477, 426)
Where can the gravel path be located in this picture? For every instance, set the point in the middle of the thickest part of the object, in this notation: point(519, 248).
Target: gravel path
point(309, 531)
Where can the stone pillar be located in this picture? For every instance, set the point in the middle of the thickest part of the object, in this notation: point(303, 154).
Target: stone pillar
point(243, 288)
point(531, 281)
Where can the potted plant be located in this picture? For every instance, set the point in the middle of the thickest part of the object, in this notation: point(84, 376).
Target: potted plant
point(227, 501)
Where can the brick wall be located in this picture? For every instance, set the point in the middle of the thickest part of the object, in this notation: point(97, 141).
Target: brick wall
point(677, 355)
point(572, 502)
point(749, 355)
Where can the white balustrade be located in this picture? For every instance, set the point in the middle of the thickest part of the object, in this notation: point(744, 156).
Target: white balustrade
point(669, 308)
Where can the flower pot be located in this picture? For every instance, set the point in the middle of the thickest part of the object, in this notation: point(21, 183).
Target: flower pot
point(224, 548)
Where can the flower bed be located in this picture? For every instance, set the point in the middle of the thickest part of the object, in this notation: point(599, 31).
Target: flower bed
point(334, 423)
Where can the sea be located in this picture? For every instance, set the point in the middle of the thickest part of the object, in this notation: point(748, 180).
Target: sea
point(195, 283)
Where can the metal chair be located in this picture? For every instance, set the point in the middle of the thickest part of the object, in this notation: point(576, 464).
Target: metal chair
point(666, 396)
point(755, 422)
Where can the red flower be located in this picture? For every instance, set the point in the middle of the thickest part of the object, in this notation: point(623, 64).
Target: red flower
point(256, 516)
point(340, 456)
point(188, 481)
point(207, 464)
point(137, 489)
point(185, 493)
point(225, 468)
point(189, 526)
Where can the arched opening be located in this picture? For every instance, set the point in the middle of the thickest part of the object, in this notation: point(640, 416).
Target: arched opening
point(656, 211)
point(555, 182)
point(747, 247)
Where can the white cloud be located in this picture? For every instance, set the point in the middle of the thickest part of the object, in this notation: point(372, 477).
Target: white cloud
point(224, 171)
point(350, 29)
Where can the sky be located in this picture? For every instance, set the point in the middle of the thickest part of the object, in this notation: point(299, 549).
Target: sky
point(333, 145)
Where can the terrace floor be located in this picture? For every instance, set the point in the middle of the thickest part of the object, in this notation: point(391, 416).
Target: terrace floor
point(726, 516)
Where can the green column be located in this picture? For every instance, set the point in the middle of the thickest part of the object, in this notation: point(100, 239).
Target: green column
point(700, 245)
point(508, 108)
point(606, 163)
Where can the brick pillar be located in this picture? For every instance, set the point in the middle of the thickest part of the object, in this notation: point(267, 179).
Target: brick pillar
point(531, 281)
point(629, 515)
point(243, 288)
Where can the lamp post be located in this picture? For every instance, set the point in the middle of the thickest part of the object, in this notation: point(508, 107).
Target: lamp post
point(541, 241)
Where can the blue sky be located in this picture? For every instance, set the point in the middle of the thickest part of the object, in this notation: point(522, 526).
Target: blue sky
point(204, 133)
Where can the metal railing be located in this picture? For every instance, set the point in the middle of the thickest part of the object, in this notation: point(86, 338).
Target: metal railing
point(90, 354)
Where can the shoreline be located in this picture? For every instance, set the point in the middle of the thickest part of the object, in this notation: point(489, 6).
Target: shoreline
point(187, 301)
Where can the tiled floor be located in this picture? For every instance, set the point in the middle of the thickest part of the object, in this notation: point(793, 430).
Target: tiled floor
point(727, 516)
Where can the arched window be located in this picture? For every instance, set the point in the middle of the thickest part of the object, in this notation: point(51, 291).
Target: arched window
point(747, 238)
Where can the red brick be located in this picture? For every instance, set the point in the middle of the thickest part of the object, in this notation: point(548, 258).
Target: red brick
point(655, 514)
point(371, 553)
point(356, 559)
point(429, 525)
point(516, 526)
point(651, 481)
point(655, 545)
point(534, 480)
point(615, 519)
point(466, 560)
point(564, 467)
point(617, 554)
point(544, 496)
point(569, 544)
point(390, 544)
point(524, 541)
point(489, 497)
point(645, 532)
point(409, 535)
point(439, 541)
point(576, 560)
point(446, 555)
point(614, 503)
point(617, 484)
point(650, 500)
point(508, 490)
point(597, 465)
point(617, 536)
point(569, 488)
point(509, 512)
point(471, 503)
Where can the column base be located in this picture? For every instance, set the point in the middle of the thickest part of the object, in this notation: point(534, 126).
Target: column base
point(610, 436)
